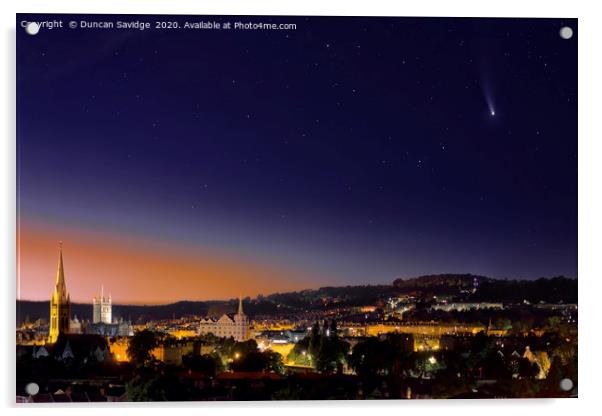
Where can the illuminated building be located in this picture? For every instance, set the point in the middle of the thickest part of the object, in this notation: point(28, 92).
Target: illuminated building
point(229, 325)
point(102, 319)
point(120, 328)
point(75, 326)
point(60, 305)
point(466, 306)
point(119, 348)
point(102, 308)
point(172, 353)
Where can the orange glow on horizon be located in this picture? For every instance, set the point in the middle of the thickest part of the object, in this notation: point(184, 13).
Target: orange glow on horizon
point(137, 271)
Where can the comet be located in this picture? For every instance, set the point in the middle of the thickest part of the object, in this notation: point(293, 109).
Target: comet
point(488, 99)
point(490, 105)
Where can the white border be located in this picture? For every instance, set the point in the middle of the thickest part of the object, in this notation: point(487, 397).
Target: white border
point(590, 203)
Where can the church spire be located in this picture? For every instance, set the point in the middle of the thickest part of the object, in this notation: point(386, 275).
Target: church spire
point(61, 287)
point(60, 305)
point(240, 312)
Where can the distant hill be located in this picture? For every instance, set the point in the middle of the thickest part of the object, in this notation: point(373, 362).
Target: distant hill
point(552, 290)
point(330, 295)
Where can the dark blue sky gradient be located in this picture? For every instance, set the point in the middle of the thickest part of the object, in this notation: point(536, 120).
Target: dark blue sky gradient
point(356, 148)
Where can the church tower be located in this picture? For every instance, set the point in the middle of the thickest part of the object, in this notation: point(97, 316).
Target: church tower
point(60, 305)
point(102, 308)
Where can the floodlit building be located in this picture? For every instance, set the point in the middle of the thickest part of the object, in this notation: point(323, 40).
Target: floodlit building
point(172, 353)
point(466, 306)
point(119, 328)
point(60, 304)
point(75, 325)
point(229, 325)
point(102, 308)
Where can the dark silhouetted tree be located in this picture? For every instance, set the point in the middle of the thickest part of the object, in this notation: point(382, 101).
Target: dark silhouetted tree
point(141, 345)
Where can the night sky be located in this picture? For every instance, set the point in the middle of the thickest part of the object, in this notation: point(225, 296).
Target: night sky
point(347, 151)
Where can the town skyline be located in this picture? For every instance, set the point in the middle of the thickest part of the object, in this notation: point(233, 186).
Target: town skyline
point(311, 333)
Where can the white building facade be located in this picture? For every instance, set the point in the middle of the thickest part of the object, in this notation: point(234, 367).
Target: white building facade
point(229, 325)
point(102, 309)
